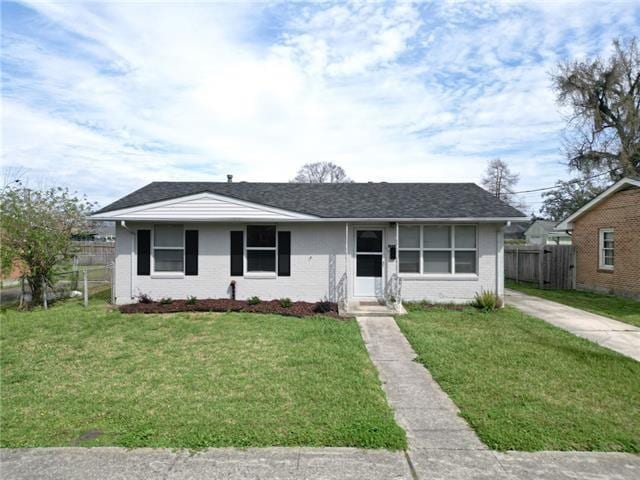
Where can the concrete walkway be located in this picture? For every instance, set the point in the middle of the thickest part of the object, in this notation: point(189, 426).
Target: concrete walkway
point(612, 334)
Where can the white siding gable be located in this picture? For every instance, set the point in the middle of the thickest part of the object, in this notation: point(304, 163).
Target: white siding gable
point(202, 206)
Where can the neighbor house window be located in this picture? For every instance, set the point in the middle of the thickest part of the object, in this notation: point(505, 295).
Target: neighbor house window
point(437, 249)
point(168, 248)
point(606, 248)
point(261, 248)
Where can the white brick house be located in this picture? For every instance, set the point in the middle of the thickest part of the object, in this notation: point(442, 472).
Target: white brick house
point(438, 242)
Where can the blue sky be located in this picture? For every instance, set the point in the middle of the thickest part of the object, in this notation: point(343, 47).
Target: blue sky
point(106, 97)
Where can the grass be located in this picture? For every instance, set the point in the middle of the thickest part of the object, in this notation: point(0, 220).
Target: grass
point(523, 384)
point(188, 380)
point(619, 308)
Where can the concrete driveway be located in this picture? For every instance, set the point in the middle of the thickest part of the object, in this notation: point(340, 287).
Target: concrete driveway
point(612, 334)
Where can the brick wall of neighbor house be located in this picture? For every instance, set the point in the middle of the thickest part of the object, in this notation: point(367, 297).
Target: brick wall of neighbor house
point(317, 267)
point(622, 213)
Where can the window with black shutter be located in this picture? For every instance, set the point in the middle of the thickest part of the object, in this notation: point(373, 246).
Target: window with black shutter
point(191, 252)
point(284, 254)
point(144, 252)
point(237, 247)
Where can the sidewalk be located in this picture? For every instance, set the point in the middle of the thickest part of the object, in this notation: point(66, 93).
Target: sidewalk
point(113, 463)
point(612, 334)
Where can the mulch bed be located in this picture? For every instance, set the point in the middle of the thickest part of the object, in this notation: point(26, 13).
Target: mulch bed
point(297, 309)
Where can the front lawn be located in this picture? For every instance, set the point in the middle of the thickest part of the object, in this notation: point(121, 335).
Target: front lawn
point(619, 308)
point(76, 376)
point(523, 384)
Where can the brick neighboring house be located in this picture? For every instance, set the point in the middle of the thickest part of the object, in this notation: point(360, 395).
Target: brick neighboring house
point(606, 233)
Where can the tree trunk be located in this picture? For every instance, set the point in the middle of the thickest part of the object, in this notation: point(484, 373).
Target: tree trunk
point(35, 285)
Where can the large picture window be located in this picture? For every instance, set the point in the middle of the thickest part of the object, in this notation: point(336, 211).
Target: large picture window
point(606, 248)
point(437, 249)
point(168, 248)
point(261, 248)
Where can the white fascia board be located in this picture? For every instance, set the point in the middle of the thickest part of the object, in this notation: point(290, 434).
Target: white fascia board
point(107, 217)
point(607, 193)
point(130, 213)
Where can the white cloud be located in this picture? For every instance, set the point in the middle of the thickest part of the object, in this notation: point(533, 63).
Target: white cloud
point(105, 97)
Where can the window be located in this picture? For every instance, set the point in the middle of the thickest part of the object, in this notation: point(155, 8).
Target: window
point(168, 248)
point(261, 248)
point(409, 249)
point(437, 249)
point(606, 248)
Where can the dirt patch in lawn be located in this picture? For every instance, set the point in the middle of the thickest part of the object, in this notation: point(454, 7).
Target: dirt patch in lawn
point(296, 309)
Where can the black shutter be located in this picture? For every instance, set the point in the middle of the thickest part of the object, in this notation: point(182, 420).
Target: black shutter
point(237, 247)
point(144, 252)
point(191, 252)
point(284, 254)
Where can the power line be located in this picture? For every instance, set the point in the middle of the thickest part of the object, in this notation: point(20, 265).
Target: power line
point(570, 182)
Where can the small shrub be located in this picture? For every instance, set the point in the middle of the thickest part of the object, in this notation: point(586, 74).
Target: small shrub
point(166, 300)
point(487, 301)
point(392, 299)
point(285, 302)
point(323, 306)
point(144, 298)
point(254, 301)
point(191, 300)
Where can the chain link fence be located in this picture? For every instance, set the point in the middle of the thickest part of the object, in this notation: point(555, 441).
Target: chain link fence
point(83, 282)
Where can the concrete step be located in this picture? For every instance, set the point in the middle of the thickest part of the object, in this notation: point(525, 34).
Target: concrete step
point(365, 313)
point(372, 309)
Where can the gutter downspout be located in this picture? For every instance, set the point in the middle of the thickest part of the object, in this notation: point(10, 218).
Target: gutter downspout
point(123, 224)
point(500, 263)
point(398, 282)
point(346, 265)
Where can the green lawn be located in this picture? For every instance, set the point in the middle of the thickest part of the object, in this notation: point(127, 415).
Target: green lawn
point(188, 380)
point(523, 384)
point(623, 309)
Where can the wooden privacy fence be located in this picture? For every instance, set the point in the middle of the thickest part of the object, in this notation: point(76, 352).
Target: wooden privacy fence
point(94, 253)
point(549, 266)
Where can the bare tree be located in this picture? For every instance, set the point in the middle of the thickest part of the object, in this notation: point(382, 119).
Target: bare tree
point(321, 172)
point(603, 132)
point(499, 181)
point(12, 176)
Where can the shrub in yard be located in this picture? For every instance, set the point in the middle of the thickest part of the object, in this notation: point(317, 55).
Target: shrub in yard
point(254, 301)
point(191, 300)
point(166, 300)
point(37, 228)
point(323, 306)
point(487, 301)
point(285, 302)
point(144, 298)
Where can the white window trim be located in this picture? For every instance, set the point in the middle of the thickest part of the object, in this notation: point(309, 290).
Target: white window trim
point(166, 274)
point(601, 248)
point(259, 274)
point(451, 249)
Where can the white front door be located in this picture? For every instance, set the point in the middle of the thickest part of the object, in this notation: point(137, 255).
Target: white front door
point(369, 263)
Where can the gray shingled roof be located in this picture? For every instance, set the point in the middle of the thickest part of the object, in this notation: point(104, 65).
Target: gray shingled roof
point(342, 200)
